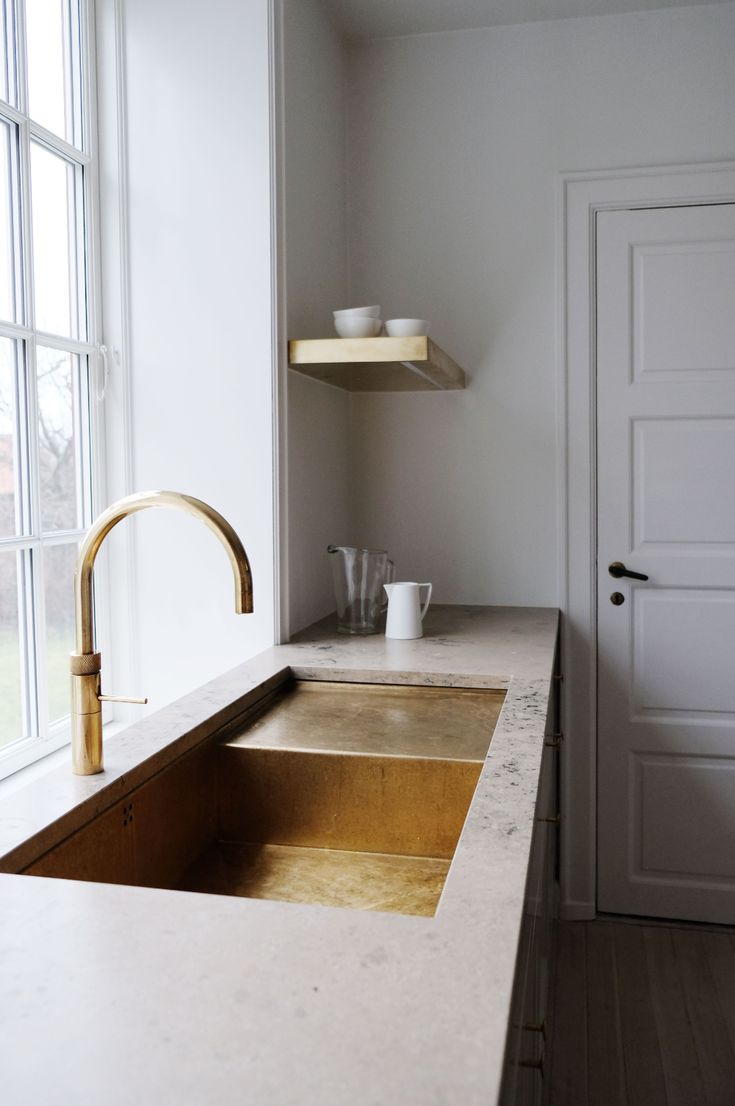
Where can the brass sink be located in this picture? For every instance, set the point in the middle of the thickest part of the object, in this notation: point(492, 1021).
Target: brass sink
point(340, 794)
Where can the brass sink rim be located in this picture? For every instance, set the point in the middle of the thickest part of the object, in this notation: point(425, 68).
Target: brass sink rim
point(306, 750)
point(377, 803)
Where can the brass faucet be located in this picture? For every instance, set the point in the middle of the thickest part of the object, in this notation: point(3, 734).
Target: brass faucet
point(85, 663)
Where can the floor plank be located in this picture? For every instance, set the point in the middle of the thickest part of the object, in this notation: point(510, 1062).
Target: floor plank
point(644, 1015)
point(644, 1077)
point(568, 1082)
point(721, 961)
point(606, 1078)
point(709, 1027)
point(678, 1053)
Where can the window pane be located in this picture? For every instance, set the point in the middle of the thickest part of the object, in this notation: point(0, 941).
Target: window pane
point(7, 262)
point(57, 438)
point(11, 718)
point(53, 75)
point(58, 572)
point(56, 264)
point(7, 438)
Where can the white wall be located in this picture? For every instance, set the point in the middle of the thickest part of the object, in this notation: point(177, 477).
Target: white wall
point(196, 101)
point(456, 141)
point(316, 271)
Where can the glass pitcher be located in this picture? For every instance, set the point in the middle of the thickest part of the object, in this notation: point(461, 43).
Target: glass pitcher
point(359, 575)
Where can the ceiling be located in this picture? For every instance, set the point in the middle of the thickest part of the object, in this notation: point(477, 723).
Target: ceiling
point(360, 20)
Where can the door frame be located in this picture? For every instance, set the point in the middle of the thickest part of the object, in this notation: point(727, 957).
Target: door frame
point(580, 196)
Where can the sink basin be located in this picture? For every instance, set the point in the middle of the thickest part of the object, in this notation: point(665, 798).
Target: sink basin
point(340, 794)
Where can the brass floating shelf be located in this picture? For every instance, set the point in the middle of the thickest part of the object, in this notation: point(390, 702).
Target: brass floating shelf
point(377, 364)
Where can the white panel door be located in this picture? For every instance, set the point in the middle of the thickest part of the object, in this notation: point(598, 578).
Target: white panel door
point(666, 509)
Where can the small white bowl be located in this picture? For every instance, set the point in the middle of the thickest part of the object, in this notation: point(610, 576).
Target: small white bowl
point(357, 326)
point(369, 312)
point(406, 328)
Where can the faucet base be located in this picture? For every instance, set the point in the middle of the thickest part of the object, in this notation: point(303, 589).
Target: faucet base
point(86, 715)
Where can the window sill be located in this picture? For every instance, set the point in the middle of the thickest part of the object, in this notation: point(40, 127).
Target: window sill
point(40, 768)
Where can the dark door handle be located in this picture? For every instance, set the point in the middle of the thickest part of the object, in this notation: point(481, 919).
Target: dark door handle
point(618, 569)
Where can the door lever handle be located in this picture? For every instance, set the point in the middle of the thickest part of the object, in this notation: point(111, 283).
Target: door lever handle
point(618, 569)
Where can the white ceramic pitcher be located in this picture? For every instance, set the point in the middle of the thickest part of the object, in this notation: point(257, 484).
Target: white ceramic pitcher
point(405, 613)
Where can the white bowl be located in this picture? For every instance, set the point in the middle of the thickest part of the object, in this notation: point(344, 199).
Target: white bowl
point(357, 326)
point(370, 312)
point(406, 328)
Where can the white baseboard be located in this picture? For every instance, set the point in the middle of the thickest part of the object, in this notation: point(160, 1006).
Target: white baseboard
point(574, 910)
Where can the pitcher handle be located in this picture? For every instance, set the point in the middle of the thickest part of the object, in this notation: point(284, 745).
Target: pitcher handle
point(425, 607)
point(390, 575)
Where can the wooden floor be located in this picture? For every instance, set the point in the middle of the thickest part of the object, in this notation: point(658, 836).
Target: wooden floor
point(644, 1015)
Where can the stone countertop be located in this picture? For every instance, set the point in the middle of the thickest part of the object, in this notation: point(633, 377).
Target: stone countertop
point(123, 994)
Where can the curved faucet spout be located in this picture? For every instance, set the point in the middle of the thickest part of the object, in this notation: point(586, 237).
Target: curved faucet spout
point(86, 664)
point(101, 527)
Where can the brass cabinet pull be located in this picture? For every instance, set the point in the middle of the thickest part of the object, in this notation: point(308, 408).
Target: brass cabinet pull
point(553, 818)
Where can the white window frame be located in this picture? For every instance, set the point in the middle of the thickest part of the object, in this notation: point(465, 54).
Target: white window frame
point(47, 739)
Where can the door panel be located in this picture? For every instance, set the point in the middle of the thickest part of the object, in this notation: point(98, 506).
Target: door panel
point(683, 650)
point(680, 467)
point(697, 339)
point(686, 806)
point(666, 508)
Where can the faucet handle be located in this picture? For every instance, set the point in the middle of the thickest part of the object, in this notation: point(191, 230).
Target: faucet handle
point(122, 699)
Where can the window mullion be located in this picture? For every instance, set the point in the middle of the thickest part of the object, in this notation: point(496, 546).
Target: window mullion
point(75, 89)
point(33, 618)
point(77, 253)
point(32, 478)
point(21, 68)
point(24, 159)
point(23, 566)
point(34, 577)
point(28, 625)
point(58, 537)
point(57, 145)
point(23, 478)
point(15, 330)
point(39, 625)
point(95, 333)
point(31, 399)
point(81, 440)
point(16, 224)
point(11, 37)
point(20, 453)
point(50, 341)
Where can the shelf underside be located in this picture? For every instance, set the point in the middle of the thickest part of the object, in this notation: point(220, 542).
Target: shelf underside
point(377, 364)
